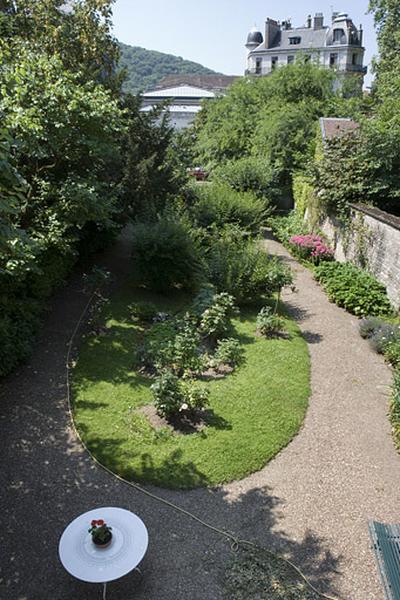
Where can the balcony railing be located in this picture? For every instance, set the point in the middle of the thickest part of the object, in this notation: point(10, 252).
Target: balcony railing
point(338, 67)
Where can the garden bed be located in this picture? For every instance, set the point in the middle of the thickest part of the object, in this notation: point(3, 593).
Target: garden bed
point(254, 412)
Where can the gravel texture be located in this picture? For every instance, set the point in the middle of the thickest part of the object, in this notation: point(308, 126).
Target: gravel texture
point(312, 502)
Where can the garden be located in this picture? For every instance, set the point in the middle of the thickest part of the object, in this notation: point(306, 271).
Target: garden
point(193, 374)
point(191, 371)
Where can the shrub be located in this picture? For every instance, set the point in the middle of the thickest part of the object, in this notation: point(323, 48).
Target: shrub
point(22, 301)
point(171, 395)
point(353, 289)
point(218, 205)
point(392, 353)
point(303, 193)
point(286, 227)
point(228, 352)
point(166, 256)
point(173, 345)
point(243, 269)
point(269, 323)
point(183, 354)
point(195, 396)
point(395, 407)
point(216, 319)
point(369, 326)
point(155, 341)
point(143, 311)
point(168, 394)
point(248, 174)
point(203, 299)
point(383, 336)
point(310, 247)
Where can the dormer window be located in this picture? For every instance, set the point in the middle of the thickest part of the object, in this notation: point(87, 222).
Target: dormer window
point(295, 40)
point(339, 36)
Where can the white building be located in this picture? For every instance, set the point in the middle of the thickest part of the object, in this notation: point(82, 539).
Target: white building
point(338, 45)
point(186, 93)
point(185, 103)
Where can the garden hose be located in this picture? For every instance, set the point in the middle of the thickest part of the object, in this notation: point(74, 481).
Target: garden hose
point(234, 541)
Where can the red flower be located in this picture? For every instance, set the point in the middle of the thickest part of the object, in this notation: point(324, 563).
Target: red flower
point(93, 523)
point(100, 522)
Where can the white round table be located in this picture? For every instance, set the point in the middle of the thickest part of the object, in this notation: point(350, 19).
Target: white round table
point(87, 562)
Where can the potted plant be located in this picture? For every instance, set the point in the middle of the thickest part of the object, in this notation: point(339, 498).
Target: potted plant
point(101, 533)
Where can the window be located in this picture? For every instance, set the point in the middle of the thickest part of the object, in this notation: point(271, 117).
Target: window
point(258, 66)
point(354, 59)
point(295, 41)
point(290, 59)
point(274, 62)
point(333, 60)
point(338, 35)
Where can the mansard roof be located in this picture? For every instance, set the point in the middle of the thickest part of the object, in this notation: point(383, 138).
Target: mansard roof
point(309, 38)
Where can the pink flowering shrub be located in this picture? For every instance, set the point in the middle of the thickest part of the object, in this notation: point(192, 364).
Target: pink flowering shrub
point(311, 247)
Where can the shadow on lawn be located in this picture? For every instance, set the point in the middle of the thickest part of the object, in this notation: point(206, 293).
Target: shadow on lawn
point(111, 358)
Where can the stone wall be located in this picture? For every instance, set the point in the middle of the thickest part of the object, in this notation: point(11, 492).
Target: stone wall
point(371, 242)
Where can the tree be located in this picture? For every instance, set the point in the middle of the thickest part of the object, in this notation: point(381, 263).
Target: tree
point(152, 175)
point(387, 18)
point(361, 167)
point(272, 118)
point(76, 31)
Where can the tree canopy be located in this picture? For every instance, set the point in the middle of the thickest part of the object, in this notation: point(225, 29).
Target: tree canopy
point(78, 32)
point(77, 158)
point(273, 118)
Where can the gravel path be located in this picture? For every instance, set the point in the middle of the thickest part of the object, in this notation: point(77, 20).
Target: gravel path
point(312, 502)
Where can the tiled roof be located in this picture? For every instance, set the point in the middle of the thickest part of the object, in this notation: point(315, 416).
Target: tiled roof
point(332, 128)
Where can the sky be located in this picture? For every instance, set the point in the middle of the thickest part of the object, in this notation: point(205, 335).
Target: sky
point(213, 32)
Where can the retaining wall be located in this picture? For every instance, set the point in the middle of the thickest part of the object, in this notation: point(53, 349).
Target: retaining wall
point(371, 242)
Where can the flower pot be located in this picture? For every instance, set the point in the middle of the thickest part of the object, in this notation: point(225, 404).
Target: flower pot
point(103, 543)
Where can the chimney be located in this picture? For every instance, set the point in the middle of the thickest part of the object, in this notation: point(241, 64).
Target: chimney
point(319, 21)
point(360, 35)
point(309, 22)
point(271, 29)
point(334, 15)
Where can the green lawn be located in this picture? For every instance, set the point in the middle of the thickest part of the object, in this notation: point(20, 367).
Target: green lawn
point(258, 409)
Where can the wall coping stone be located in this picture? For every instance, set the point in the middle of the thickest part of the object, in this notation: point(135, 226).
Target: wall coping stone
point(378, 214)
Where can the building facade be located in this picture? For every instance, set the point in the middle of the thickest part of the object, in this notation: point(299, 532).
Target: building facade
point(184, 103)
point(338, 45)
point(185, 95)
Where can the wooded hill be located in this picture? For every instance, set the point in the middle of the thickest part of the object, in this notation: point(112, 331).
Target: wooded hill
point(146, 68)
